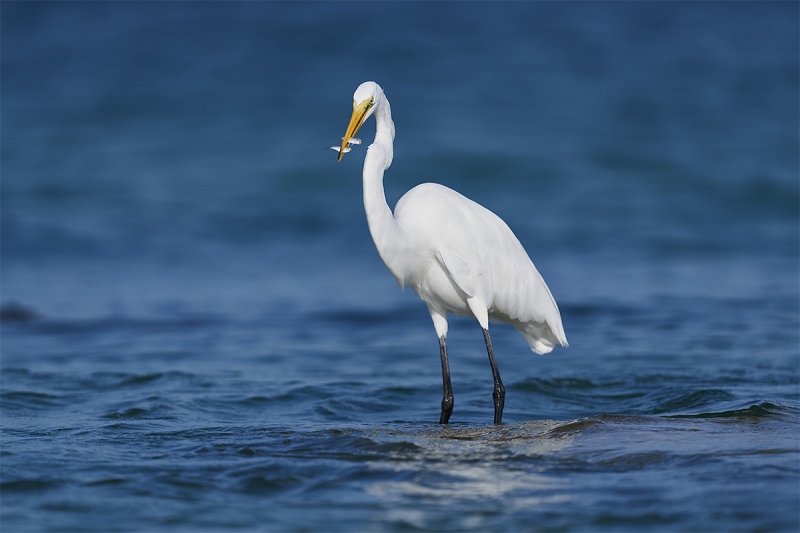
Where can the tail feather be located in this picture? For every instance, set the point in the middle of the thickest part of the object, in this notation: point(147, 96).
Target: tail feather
point(541, 338)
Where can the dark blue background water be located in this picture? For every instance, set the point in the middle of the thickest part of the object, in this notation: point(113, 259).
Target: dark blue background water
point(197, 332)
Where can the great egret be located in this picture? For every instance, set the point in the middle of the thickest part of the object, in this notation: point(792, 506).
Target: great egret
point(458, 256)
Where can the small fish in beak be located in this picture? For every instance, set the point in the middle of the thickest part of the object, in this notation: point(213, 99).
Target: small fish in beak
point(350, 142)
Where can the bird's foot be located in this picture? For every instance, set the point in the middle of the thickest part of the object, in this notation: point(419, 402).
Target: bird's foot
point(499, 397)
point(447, 409)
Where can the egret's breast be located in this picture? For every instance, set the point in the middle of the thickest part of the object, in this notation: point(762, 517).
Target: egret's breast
point(437, 289)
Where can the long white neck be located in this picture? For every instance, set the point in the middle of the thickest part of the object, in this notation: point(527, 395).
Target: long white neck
point(382, 225)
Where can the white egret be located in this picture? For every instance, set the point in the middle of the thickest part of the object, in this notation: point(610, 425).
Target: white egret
point(458, 256)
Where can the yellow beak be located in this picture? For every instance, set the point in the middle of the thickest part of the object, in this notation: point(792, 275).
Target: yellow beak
point(356, 121)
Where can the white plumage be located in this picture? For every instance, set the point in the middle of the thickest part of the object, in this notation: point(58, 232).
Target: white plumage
point(458, 256)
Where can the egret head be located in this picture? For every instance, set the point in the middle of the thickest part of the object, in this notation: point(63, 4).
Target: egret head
point(368, 95)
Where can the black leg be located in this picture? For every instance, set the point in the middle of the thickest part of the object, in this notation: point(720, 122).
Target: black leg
point(499, 392)
point(447, 399)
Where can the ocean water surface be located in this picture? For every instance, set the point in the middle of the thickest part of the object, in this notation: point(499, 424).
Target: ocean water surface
point(198, 334)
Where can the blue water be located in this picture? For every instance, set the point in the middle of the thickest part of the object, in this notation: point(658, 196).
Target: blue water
point(197, 332)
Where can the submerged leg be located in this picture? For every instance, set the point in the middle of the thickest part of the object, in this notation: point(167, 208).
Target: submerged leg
point(447, 399)
point(499, 392)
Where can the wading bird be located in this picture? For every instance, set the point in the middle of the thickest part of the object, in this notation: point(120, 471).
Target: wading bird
point(458, 256)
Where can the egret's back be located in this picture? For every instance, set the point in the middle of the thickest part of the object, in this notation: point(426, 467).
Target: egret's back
point(480, 256)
